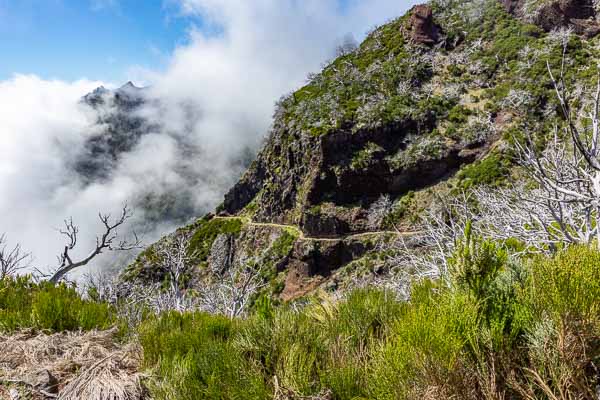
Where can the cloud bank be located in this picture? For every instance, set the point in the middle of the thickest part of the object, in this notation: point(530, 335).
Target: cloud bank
point(214, 104)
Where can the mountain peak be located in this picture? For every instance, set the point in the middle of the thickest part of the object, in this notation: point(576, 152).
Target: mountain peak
point(129, 85)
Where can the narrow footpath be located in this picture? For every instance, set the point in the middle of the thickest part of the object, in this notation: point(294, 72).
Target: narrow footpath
point(302, 236)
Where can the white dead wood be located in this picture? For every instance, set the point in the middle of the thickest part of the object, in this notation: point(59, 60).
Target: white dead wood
point(230, 293)
point(176, 262)
point(567, 172)
point(107, 241)
point(378, 211)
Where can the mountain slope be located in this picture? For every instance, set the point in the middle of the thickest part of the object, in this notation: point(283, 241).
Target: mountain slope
point(427, 105)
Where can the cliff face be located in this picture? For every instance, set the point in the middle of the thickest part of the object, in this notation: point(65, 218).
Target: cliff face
point(325, 184)
point(375, 122)
point(580, 15)
point(427, 104)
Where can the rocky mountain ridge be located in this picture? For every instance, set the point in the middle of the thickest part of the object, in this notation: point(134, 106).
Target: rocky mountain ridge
point(117, 112)
point(426, 106)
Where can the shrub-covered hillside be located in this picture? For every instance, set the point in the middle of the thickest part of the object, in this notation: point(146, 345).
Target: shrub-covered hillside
point(423, 222)
point(428, 106)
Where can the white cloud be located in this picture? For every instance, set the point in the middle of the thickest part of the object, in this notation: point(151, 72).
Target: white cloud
point(217, 95)
point(41, 121)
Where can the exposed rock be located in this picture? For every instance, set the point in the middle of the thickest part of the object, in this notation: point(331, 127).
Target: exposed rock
point(587, 27)
point(221, 253)
point(312, 262)
point(364, 128)
point(423, 28)
point(550, 14)
point(122, 130)
point(512, 6)
point(313, 182)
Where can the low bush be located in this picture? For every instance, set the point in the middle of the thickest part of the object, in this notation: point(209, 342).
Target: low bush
point(43, 306)
point(497, 328)
point(193, 357)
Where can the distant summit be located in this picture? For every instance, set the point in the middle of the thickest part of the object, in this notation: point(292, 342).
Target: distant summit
point(127, 96)
point(122, 129)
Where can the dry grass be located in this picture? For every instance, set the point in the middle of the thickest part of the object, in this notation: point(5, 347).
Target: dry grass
point(90, 365)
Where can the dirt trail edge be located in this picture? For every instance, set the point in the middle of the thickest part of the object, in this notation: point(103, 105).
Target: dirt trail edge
point(302, 236)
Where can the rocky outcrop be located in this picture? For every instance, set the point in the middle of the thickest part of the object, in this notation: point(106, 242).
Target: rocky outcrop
point(312, 262)
point(550, 14)
point(399, 114)
point(422, 27)
point(221, 253)
point(325, 184)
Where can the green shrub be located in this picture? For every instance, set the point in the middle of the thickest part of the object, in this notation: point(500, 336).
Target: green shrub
point(193, 358)
point(566, 286)
point(495, 321)
point(207, 231)
point(492, 170)
point(562, 300)
point(425, 343)
point(25, 304)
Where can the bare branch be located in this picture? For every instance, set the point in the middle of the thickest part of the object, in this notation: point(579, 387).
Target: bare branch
point(12, 260)
point(104, 242)
point(231, 293)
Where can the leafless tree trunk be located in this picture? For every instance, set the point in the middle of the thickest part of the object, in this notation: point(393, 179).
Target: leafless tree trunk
point(231, 293)
point(177, 264)
point(583, 186)
point(12, 260)
point(107, 241)
point(567, 174)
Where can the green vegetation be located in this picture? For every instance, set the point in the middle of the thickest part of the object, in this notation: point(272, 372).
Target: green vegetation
point(205, 233)
point(400, 210)
point(495, 323)
point(284, 244)
point(195, 357)
point(280, 249)
point(492, 170)
point(493, 326)
point(362, 158)
point(43, 306)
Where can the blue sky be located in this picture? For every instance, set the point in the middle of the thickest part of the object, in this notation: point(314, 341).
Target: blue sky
point(93, 39)
point(96, 39)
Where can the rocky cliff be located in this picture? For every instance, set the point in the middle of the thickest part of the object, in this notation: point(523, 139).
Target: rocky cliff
point(580, 15)
point(425, 106)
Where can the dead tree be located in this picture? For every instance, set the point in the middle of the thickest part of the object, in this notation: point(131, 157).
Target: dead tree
point(378, 211)
point(567, 174)
point(12, 260)
point(563, 203)
point(176, 262)
point(425, 255)
point(107, 241)
point(230, 293)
